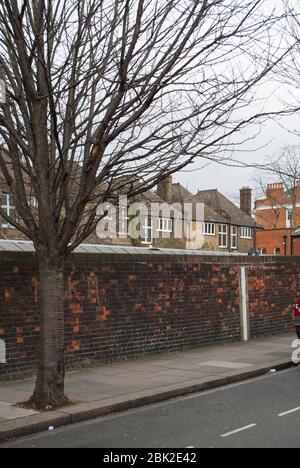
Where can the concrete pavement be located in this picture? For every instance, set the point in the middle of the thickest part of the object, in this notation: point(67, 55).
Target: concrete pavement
point(103, 390)
point(259, 413)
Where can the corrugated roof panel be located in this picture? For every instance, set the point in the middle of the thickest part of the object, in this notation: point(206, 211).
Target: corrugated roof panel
point(86, 249)
point(27, 246)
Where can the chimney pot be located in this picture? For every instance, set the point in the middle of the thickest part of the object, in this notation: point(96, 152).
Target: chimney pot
point(275, 191)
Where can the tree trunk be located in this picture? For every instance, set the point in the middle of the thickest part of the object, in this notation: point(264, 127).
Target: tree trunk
point(49, 389)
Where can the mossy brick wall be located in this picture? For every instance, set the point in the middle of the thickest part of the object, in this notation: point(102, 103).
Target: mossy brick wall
point(122, 307)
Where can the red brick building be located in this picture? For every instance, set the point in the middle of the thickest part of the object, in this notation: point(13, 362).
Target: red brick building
point(278, 218)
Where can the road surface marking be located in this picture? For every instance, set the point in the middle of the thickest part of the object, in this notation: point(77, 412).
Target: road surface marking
point(289, 412)
point(242, 429)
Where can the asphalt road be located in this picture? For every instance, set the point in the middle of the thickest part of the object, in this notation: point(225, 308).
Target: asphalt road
point(264, 413)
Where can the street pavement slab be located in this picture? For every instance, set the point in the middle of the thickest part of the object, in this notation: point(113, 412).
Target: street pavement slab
point(124, 385)
point(257, 413)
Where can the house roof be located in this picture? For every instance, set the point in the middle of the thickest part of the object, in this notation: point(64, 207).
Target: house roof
point(212, 216)
point(180, 194)
point(217, 208)
point(224, 207)
point(150, 197)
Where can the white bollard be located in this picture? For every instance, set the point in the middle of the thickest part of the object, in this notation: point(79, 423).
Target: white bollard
point(244, 304)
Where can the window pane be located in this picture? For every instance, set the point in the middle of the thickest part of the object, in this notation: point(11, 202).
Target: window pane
point(5, 200)
point(223, 235)
point(146, 230)
point(234, 231)
point(8, 208)
point(164, 224)
point(209, 229)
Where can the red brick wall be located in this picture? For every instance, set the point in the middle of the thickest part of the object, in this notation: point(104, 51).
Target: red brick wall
point(270, 240)
point(273, 290)
point(296, 246)
point(121, 307)
point(276, 202)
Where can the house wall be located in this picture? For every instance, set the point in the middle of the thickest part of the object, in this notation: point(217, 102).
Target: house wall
point(10, 234)
point(271, 218)
point(271, 239)
point(161, 240)
point(128, 306)
point(296, 246)
point(211, 243)
point(271, 212)
point(245, 245)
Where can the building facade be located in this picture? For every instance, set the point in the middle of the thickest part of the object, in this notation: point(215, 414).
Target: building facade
point(278, 218)
point(222, 225)
point(157, 230)
point(226, 227)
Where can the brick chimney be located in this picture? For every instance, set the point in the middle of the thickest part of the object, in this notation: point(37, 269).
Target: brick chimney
point(246, 200)
point(164, 189)
point(275, 191)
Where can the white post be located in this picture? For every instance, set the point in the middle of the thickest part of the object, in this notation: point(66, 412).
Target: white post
point(244, 304)
point(2, 352)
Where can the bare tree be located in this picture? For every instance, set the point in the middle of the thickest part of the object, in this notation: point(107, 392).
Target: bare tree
point(99, 92)
point(286, 171)
point(288, 74)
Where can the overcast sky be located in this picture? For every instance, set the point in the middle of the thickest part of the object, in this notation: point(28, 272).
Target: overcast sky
point(270, 142)
point(273, 137)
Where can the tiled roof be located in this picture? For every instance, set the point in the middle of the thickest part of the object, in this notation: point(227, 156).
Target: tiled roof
point(152, 197)
point(224, 207)
point(180, 194)
point(211, 216)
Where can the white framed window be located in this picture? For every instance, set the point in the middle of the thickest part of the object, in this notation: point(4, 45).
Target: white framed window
point(223, 235)
point(164, 224)
point(209, 229)
point(146, 230)
point(246, 233)
point(277, 251)
point(234, 237)
point(8, 208)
